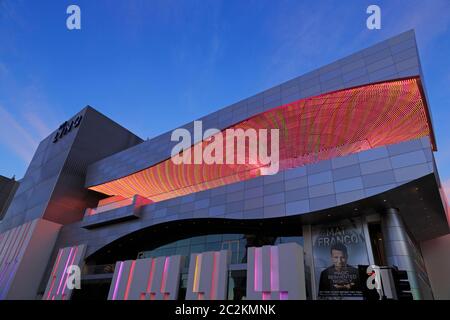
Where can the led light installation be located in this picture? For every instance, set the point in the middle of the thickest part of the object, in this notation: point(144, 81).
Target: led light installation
point(313, 129)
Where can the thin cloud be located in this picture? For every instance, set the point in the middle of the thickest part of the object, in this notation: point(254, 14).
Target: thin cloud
point(304, 38)
point(11, 19)
point(3, 70)
point(446, 191)
point(307, 36)
point(15, 135)
point(38, 124)
point(210, 51)
point(429, 21)
point(446, 188)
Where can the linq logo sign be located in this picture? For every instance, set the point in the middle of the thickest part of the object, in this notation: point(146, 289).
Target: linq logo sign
point(66, 127)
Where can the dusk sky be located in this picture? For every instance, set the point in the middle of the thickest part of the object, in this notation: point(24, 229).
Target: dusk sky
point(155, 65)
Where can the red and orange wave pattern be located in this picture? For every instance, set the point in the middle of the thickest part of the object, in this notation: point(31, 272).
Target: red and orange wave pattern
point(312, 129)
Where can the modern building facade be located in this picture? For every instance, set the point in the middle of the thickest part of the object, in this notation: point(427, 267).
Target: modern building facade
point(357, 185)
point(7, 189)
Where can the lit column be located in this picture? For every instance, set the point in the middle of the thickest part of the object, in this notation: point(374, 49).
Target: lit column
point(208, 275)
point(398, 247)
point(276, 273)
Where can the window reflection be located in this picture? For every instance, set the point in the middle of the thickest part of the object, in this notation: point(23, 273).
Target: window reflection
point(236, 243)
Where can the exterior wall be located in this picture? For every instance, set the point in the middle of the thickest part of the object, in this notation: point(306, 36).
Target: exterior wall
point(7, 189)
point(276, 273)
point(394, 58)
point(301, 190)
point(29, 244)
point(436, 254)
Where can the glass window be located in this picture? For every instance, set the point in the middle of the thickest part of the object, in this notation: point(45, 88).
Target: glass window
point(214, 238)
point(198, 248)
point(198, 240)
point(297, 239)
point(184, 251)
point(237, 284)
point(184, 242)
point(214, 246)
point(236, 243)
point(231, 236)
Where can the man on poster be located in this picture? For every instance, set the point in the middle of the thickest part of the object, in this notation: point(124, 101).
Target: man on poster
point(340, 279)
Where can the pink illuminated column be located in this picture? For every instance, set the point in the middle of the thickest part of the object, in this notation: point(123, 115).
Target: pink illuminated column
point(208, 275)
point(57, 288)
point(276, 273)
point(146, 279)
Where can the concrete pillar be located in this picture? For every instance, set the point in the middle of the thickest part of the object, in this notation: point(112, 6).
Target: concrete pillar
point(397, 247)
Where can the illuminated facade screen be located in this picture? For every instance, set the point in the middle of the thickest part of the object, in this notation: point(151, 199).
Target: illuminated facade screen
point(310, 130)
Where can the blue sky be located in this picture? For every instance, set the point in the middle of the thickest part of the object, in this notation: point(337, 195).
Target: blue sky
point(153, 65)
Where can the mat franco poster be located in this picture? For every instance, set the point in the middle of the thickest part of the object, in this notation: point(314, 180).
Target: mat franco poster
point(338, 249)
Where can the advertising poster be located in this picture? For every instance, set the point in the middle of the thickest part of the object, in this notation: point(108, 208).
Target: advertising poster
point(338, 249)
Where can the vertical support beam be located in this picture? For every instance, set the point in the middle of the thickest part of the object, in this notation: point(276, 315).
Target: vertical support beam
point(397, 246)
point(369, 248)
point(309, 261)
